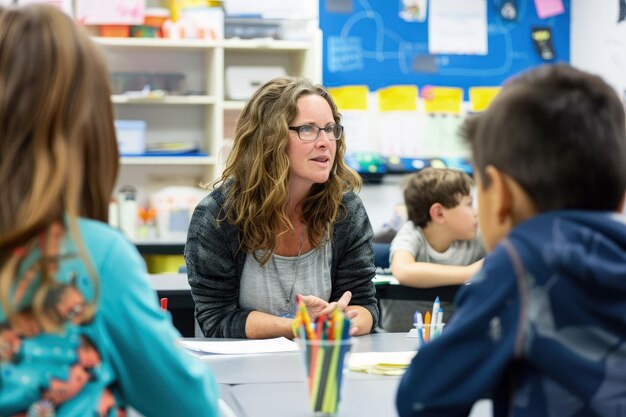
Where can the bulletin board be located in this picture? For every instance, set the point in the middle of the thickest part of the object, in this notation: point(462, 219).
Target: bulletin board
point(367, 42)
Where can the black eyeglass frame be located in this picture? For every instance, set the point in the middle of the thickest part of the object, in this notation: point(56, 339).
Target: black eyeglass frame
point(319, 129)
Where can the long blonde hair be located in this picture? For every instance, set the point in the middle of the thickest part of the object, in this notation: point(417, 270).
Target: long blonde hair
point(257, 170)
point(59, 156)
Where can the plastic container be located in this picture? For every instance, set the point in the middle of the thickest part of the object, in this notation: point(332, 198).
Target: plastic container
point(325, 362)
point(131, 136)
point(427, 332)
point(243, 81)
point(164, 264)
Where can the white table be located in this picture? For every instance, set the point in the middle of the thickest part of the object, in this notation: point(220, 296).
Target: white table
point(273, 385)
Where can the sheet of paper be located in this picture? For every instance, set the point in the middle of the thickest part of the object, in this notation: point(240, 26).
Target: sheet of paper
point(399, 134)
point(412, 333)
point(385, 279)
point(413, 10)
point(442, 99)
point(441, 137)
point(381, 363)
point(481, 97)
point(116, 12)
point(356, 128)
point(242, 347)
point(549, 8)
point(457, 27)
point(397, 98)
point(350, 97)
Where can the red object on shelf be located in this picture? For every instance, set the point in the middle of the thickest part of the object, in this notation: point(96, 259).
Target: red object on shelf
point(164, 303)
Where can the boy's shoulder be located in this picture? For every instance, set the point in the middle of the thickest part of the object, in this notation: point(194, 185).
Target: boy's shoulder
point(573, 242)
point(552, 224)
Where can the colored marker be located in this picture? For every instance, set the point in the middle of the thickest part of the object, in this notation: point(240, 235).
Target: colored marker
point(419, 326)
point(439, 322)
point(433, 316)
point(427, 326)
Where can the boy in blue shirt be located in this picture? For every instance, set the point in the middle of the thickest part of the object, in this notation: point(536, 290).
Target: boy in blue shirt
point(541, 329)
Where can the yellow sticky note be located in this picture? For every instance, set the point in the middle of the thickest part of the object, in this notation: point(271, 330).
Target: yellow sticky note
point(350, 97)
point(481, 97)
point(443, 99)
point(398, 97)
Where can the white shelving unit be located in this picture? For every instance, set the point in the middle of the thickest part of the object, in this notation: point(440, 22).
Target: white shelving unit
point(197, 115)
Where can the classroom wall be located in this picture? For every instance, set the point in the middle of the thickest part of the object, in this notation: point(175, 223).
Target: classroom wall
point(598, 40)
point(379, 43)
point(380, 199)
point(597, 45)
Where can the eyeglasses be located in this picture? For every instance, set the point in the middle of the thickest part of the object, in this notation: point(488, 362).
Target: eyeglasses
point(310, 133)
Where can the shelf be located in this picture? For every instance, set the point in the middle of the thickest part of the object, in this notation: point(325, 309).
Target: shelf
point(157, 43)
point(263, 43)
point(273, 44)
point(197, 118)
point(168, 100)
point(234, 104)
point(168, 160)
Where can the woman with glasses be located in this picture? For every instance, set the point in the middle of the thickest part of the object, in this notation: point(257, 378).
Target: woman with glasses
point(282, 220)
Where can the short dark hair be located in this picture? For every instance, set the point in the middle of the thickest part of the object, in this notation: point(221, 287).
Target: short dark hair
point(560, 133)
point(434, 185)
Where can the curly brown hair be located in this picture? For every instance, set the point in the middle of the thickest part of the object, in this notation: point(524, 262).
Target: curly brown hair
point(257, 170)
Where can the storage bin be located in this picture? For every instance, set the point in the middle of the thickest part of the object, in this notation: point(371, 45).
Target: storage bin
point(131, 136)
point(164, 264)
point(242, 81)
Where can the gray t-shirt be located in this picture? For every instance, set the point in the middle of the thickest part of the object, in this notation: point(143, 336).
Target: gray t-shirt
point(268, 288)
point(397, 315)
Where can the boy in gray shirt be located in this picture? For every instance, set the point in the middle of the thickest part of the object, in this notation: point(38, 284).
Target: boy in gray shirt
point(437, 246)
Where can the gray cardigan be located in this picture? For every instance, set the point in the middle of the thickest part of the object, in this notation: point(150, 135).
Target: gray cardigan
point(214, 265)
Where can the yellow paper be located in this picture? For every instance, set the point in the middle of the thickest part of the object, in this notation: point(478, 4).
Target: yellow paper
point(350, 97)
point(481, 97)
point(381, 363)
point(443, 100)
point(399, 97)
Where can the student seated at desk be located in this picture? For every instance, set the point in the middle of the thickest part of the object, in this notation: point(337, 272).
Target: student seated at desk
point(81, 333)
point(542, 327)
point(437, 246)
point(283, 220)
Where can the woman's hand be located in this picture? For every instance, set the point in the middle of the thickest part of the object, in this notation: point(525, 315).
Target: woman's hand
point(340, 304)
point(317, 307)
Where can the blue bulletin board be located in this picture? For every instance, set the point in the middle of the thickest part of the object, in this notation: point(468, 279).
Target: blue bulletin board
point(366, 42)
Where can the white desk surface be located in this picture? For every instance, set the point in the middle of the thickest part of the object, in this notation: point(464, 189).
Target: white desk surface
point(273, 385)
point(170, 282)
point(360, 398)
point(289, 367)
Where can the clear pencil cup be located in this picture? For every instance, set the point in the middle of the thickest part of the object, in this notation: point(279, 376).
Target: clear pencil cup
point(325, 362)
point(427, 332)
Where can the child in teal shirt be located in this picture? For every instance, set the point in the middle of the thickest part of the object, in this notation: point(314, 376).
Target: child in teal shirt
point(81, 333)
